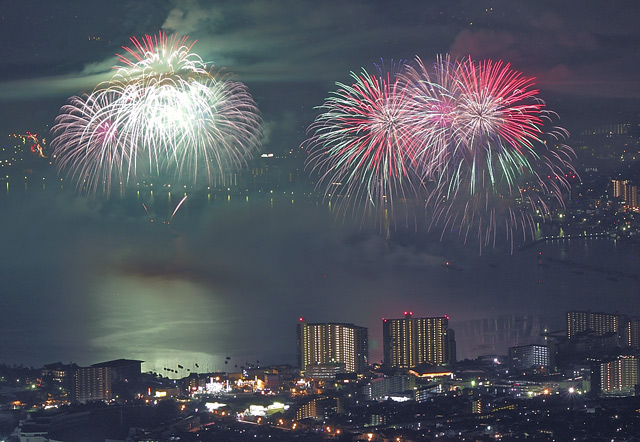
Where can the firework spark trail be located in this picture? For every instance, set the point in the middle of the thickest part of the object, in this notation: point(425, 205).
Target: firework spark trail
point(178, 207)
point(89, 143)
point(476, 132)
point(498, 161)
point(432, 104)
point(362, 146)
point(163, 111)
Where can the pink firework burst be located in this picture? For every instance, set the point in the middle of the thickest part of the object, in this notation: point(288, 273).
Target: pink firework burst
point(363, 146)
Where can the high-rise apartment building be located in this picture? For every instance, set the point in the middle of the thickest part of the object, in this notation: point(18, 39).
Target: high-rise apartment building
point(619, 376)
point(96, 383)
point(596, 323)
point(627, 192)
point(626, 328)
point(91, 384)
point(634, 197)
point(409, 341)
point(528, 357)
point(333, 343)
point(632, 333)
point(619, 188)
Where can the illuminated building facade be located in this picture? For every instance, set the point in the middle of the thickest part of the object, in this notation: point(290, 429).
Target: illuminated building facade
point(123, 370)
point(59, 372)
point(528, 357)
point(333, 343)
point(633, 333)
point(609, 130)
point(625, 328)
point(91, 384)
point(619, 376)
point(320, 408)
point(594, 322)
point(410, 341)
point(627, 192)
point(307, 410)
point(382, 388)
point(323, 371)
point(96, 383)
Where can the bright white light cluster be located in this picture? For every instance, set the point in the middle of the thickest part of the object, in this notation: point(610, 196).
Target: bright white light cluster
point(161, 112)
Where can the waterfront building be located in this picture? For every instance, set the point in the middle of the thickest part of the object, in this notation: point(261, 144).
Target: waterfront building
point(95, 383)
point(337, 344)
point(409, 341)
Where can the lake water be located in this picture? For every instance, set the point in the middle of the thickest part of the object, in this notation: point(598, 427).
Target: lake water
point(222, 286)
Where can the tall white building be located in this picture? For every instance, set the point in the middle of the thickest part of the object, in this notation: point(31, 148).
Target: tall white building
point(528, 357)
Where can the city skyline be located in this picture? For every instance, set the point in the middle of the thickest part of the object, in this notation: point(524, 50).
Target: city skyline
point(91, 276)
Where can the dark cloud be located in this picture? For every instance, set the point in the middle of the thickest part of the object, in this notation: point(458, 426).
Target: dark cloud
point(570, 48)
point(485, 44)
point(283, 50)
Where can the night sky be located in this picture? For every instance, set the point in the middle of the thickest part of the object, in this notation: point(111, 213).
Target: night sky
point(85, 279)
